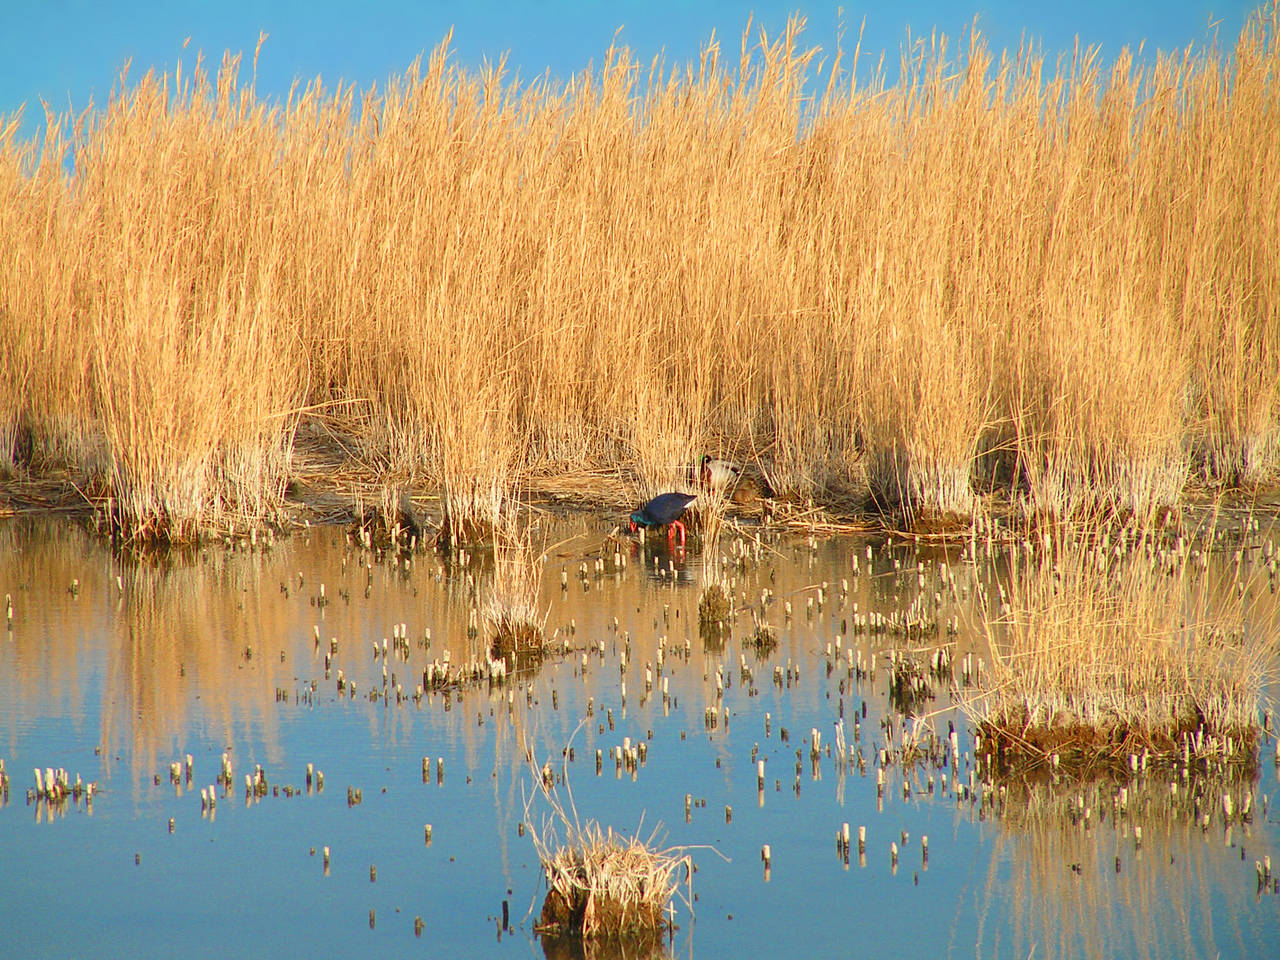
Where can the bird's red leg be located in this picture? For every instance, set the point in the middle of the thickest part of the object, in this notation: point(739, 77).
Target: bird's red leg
point(680, 526)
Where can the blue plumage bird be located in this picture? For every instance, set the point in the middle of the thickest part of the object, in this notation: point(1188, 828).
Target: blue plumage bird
point(664, 510)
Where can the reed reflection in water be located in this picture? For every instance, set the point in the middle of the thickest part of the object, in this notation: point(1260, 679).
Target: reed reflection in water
point(1146, 869)
point(240, 651)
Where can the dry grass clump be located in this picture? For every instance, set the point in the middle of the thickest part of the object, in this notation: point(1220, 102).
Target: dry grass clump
point(606, 885)
point(715, 605)
point(909, 686)
point(762, 641)
point(1106, 645)
point(603, 885)
point(862, 284)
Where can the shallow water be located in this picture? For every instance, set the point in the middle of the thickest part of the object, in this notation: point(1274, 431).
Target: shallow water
point(114, 669)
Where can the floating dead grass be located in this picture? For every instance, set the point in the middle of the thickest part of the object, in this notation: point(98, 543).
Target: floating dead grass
point(1109, 645)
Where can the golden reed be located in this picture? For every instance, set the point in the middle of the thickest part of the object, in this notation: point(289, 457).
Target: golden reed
point(1065, 278)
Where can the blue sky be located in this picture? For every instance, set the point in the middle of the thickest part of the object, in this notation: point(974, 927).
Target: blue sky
point(66, 51)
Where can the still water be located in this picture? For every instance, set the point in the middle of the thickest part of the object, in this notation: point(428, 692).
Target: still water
point(115, 669)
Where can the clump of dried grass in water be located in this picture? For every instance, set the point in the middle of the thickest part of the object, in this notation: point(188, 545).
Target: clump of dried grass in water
point(513, 621)
point(715, 606)
point(1111, 643)
point(604, 885)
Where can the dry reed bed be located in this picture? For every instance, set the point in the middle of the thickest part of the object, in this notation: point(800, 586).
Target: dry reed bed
point(1065, 276)
point(1107, 650)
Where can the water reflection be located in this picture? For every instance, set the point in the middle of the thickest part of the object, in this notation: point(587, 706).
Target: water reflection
point(1092, 870)
point(156, 647)
point(114, 669)
point(604, 950)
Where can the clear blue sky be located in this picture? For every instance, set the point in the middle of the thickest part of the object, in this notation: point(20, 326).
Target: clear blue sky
point(66, 51)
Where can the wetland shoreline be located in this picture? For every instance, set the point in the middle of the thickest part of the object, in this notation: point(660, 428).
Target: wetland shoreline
point(320, 422)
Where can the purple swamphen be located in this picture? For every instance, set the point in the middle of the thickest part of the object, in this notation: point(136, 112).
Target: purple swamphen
point(664, 510)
